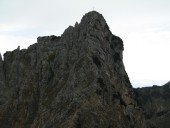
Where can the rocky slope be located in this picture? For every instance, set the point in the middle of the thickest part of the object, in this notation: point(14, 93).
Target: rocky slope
point(156, 102)
point(77, 80)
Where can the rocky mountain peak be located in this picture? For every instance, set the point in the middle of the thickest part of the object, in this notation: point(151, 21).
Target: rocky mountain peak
point(93, 17)
point(73, 81)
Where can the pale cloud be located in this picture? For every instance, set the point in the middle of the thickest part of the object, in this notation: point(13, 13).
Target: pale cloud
point(9, 27)
point(145, 82)
point(147, 58)
point(9, 43)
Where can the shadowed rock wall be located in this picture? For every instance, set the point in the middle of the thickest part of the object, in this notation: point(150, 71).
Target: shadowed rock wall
point(156, 102)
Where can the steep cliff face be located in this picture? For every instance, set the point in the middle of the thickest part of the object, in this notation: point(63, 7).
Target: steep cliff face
point(77, 80)
point(156, 102)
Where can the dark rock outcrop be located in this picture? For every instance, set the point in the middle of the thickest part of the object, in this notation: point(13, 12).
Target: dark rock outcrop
point(156, 103)
point(77, 80)
point(1, 72)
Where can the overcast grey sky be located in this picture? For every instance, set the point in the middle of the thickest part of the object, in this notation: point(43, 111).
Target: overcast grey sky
point(144, 26)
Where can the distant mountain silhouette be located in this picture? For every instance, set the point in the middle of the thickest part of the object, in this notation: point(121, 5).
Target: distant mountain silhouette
point(156, 103)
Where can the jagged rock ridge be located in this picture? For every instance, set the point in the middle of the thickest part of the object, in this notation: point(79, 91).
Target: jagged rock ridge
point(77, 80)
point(156, 102)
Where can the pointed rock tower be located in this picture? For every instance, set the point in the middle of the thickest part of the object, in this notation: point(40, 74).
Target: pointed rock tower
point(77, 80)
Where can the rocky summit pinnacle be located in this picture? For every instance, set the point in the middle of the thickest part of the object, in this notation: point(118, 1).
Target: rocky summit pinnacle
point(77, 80)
